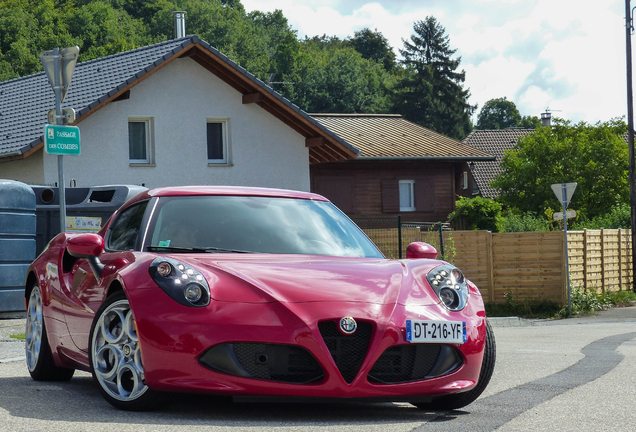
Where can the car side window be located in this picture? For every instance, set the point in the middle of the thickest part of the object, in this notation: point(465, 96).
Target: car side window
point(125, 229)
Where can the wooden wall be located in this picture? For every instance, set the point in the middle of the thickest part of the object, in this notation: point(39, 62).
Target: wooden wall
point(367, 179)
point(600, 259)
point(529, 265)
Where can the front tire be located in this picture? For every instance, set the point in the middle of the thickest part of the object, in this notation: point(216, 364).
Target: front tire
point(460, 400)
point(39, 358)
point(115, 357)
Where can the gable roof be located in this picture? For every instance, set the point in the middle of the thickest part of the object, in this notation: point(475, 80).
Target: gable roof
point(389, 136)
point(24, 102)
point(494, 142)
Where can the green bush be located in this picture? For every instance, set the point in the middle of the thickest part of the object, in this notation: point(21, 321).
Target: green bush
point(585, 302)
point(479, 213)
point(618, 217)
point(523, 223)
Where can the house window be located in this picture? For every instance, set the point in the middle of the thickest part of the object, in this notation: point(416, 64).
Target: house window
point(217, 141)
point(407, 195)
point(140, 140)
point(465, 180)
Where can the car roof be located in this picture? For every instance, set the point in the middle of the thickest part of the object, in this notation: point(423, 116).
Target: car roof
point(176, 191)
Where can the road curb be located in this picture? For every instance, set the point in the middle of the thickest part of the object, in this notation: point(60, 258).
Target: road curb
point(509, 322)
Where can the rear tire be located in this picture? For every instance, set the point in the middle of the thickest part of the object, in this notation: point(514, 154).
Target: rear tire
point(37, 349)
point(460, 400)
point(115, 358)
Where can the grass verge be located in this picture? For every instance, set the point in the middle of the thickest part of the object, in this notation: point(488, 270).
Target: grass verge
point(583, 302)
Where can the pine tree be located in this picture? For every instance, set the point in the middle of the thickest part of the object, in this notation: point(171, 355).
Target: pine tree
point(431, 93)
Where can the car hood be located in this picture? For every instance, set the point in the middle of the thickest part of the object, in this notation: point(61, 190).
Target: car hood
point(301, 278)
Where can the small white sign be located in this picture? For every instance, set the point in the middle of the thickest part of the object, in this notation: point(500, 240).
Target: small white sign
point(568, 215)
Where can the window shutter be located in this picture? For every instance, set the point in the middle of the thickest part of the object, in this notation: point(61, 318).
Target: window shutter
point(425, 194)
point(390, 196)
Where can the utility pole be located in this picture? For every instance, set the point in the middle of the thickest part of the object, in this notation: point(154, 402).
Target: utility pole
point(630, 132)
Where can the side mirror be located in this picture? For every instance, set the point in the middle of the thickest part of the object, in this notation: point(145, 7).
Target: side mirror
point(421, 250)
point(89, 247)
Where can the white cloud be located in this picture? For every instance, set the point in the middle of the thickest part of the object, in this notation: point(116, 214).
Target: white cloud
point(566, 54)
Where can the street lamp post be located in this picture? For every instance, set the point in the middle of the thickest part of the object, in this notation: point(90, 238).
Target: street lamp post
point(630, 131)
point(58, 65)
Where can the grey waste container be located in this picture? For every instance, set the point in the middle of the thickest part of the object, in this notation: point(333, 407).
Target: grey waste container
point(17, 242)
point(87, 209)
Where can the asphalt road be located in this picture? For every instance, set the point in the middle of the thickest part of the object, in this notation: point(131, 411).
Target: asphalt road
point(567, 375)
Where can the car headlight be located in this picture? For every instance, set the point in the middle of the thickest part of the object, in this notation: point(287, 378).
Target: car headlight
point(180, 281)
point(450, 285)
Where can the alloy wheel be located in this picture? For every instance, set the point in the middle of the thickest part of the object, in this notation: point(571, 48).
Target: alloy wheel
point(116, 355)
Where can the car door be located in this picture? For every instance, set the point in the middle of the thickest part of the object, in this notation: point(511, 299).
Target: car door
point(85, 293)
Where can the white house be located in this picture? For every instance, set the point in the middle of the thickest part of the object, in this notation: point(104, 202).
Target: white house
point(175, 113)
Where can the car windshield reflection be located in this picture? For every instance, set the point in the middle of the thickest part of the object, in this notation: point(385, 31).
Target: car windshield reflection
point(238, 224)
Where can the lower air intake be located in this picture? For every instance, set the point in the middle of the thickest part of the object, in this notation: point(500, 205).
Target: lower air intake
point(269, 362)
point(415, 362)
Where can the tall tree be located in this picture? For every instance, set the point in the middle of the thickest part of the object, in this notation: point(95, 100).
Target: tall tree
point(530, 122)
point(431, 93)
point(372, 45)
point(498, 113)
point(340, 80)
point(594, 156)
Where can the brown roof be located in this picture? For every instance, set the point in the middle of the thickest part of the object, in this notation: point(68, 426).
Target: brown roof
point(494, 142)
point(389, 136)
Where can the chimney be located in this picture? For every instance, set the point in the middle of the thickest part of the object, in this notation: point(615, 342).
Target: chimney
point(546, 118)
point(179, 24)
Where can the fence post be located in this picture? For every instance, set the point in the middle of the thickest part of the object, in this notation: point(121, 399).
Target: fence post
point(441, 239)
point(630, 262)
point(585, 259)
point(400, 236)
point(620, 260)
point(603, 260)
point(491, 270)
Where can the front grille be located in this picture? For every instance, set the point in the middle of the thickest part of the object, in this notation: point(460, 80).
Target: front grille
point(406, 363)
point(347, 351)
point(270, 362)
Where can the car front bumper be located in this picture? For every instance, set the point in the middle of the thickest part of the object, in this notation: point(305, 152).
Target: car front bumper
point(173, 339)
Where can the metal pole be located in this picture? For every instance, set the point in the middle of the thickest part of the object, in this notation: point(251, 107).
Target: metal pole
point(630, 132)
point(565, 234)
point(57, 88)
point(400, 236)
point(441, 239)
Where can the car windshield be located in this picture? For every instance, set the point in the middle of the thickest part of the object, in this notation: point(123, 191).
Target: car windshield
point(255, 224)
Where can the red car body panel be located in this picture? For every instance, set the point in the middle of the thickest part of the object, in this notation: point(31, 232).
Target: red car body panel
point(262, 298)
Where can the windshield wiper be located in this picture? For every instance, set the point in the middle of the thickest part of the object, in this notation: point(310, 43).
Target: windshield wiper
point(194, 249)
point(173, 249)
point(216, 249)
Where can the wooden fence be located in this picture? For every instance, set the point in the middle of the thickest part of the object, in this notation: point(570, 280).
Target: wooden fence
point(532, 265)
point(601, 259)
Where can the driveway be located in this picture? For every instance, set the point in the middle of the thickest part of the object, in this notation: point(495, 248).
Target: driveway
point(566, 375)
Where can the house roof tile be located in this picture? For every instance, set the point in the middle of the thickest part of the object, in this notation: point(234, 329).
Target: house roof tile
point(494, 142)
point(389, 136)
point(25, 101)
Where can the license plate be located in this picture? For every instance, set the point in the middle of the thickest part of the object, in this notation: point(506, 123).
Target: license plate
point(422, 331)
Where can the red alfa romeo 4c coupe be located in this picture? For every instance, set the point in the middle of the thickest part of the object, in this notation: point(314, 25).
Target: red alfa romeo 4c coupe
point(252, 292)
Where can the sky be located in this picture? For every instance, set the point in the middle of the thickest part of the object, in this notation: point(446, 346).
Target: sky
point(567, 56)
